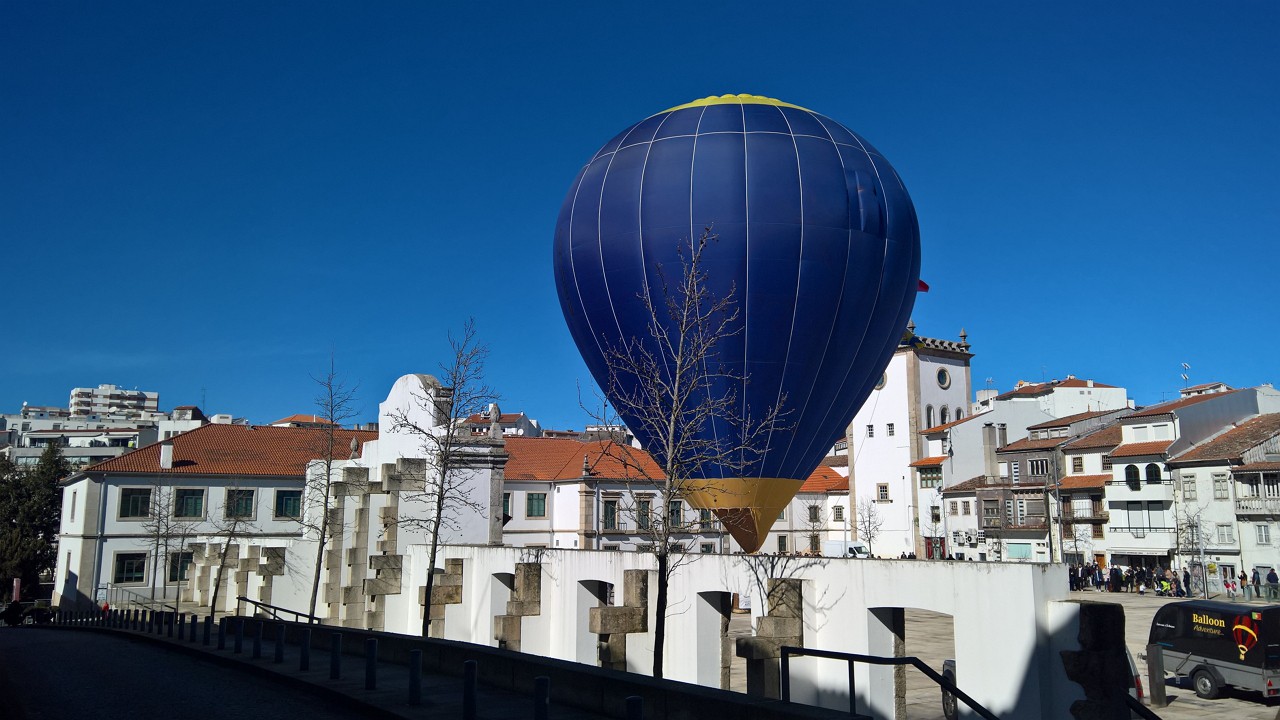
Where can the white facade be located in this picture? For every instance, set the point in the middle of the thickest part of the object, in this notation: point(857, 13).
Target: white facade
point(111, 400)
point(919, 385)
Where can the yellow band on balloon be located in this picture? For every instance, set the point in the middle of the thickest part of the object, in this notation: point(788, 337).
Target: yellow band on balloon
point(743, 99)
point(748, 507)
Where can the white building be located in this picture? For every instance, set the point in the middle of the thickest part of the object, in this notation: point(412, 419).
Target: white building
point(193, 484)
point(927, 382)
point(109, 400)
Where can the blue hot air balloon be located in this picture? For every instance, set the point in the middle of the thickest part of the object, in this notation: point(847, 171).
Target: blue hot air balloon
point(816, 240)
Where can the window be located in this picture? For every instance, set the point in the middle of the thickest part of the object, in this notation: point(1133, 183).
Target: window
point(1226, 536)
point(610, 514)
point(73, 504)
point(704, 519)
point(1220, 491)
point(707, 548)
point(239, 504)
point(135, 502)
point(675, 517)
point(944, 380)
point(944, 416)
point(884, 378)
point(1015, 470)
point(965, 507)
point(1077, 464)
point(1096, 531)
point(888, 430)
point(928, 416)
point(815, 514)
point(643, 510)
point(783, 514)
point(1039, 467)
point(953, 508)
point(1131, 476)
point(815, 544)
point(882, 492)
point(188, 503)
point(1153, 473)
point(837, 513)
point(1264, 534)
point(535, 505)
point(178, 564)
point(130, 568)
point(782, 543)
point(871, 431)
point(506, 506)
point(930, 477)
point(959, 413)
point(1188, 486)
point(289, 504)
point(935, 514)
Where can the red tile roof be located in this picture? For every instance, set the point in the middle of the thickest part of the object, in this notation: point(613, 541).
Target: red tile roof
point(1082, 482)
point(967, 486)
point(929, 461)
point(1107, 437)
point(236, 450)
point(1258, 467)
point(1173, 405)
point(1232, 444)
point(836, 461)
point(1031, 389)
point(1154, 447)
point(546, 459)
point(824, 480)
point(301, 418)
point(1064, 422)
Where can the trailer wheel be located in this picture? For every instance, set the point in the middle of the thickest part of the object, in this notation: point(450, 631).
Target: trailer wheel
point(1205, 684)
point(949, 700)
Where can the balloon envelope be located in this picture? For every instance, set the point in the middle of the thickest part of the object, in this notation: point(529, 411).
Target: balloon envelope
point(816, 242)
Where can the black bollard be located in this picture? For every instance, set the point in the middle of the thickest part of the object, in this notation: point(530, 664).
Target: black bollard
point(239, 644)
point(469, 690)
point(371, 664)
point(304, 651)
point(335, 656)
point(194, 622)
point(175, 621)
point(257, 641)
point(208, 629)
point(635, 707)
point(415, 677)
point(279, 654)
point(222, 633)
point(541, 697)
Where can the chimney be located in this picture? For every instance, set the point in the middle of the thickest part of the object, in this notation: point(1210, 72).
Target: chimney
point(1088, 383)
point(166, 455)
point(989, 467)
point(1002, 435)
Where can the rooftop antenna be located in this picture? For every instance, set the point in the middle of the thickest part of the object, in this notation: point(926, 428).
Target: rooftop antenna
point(1186, 380)
point(203, 401)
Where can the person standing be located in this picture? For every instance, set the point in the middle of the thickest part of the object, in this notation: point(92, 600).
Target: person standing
point(1273, 585)
point(1244, 585)
point(1257, 584)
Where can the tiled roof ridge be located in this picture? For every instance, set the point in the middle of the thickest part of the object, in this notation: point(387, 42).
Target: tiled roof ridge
point(1171, 405)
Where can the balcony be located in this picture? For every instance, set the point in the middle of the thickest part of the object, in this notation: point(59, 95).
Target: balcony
point(1091, 514)
point(1258, 506)
point(1126, 491)
point(1142, 532)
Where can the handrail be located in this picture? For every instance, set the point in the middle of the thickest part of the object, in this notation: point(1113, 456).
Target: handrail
point(1141, 710)
point(137, 598)
point(851, 658)
point(275, 610)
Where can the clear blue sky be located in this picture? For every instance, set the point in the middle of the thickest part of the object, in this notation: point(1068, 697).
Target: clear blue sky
point(218, 195)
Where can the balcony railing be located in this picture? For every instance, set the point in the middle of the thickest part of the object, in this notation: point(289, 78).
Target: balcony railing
point(1093, 514)
point(1140, 532)
point(1258, 506)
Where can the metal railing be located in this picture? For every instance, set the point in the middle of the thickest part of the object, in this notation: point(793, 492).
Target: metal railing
point(851, 658)
point(118, 596)
point(275, 611)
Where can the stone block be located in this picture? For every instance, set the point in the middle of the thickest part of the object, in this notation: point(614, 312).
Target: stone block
point(382, 586)
point(617, 620)
point(785, 598)
point(353, 475)
point(453, 566)
point(446, 595)
point(331, 593)
point(524, 609)
point(528, 582)
point(448, 579)
point(779, 627)
point(352, 593)
point(374, 620)
point(387, 561)
point(635, 588)
point(356, 556)
point(506, 630)
point(760, 648)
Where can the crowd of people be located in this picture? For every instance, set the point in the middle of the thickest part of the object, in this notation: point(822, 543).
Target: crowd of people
point(1165, 581)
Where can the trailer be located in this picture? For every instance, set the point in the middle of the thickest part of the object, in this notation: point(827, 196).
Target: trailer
point(1219, 644)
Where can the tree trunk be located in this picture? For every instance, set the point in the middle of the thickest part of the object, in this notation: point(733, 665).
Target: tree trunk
point(660, 615)
point(324, 538)
point(431, 579)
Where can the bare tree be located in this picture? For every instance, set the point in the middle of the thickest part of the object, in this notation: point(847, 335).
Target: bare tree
point(868, 521)
point(1194, 535)
point(1079, 540)
point(165, 530)
point(666, 384)
point(449, 449)
point(335, 403)
point(231, 522)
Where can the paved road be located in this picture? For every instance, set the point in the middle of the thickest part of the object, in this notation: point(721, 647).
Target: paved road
point(54, 674)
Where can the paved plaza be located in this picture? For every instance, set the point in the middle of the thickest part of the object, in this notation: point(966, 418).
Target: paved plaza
point(930, 638)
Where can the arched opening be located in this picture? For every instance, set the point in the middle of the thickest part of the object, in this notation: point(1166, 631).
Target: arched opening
point(591, 593)
point(1153, 473)
point(959, 413)
point(1131, 476)
point(928, 416)
point(944, 415)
